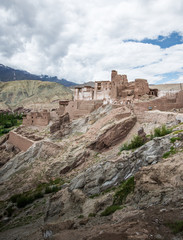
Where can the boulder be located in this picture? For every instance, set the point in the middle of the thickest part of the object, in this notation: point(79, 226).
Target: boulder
point(114, 134)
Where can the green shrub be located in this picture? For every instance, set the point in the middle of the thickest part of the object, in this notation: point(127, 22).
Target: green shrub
point(136, 142)
point(166, 155)
point(80, 216)
point(124, 189)
point(92, 215)
point(4, 131)
point(178, 131)
point(171, 152)
point(38, 195)
point(24, 200)
point(52, 189)
point(173, 139)
point(14, 198)
point(56, 181)
point(111, 209)
point(10, 211)
point(176, 227)
point(162, 131)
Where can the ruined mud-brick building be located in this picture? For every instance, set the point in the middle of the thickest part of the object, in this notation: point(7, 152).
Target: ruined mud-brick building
point(117, 89)
point(37, 118)
point(87, 98)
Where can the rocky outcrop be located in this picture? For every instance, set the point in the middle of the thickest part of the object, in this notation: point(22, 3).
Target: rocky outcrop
point(61, 127)
point(41, 150)
point(161, 183)
point(113, 135)
point(7, 150)
point(74, 161)
point(107, 174)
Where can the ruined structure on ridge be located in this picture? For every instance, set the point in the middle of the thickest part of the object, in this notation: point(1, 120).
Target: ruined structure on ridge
point(135, 95)
point(88, 99)
point(37, 118)
point(117, 89)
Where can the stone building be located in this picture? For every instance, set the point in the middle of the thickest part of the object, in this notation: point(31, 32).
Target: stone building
point(37, 118)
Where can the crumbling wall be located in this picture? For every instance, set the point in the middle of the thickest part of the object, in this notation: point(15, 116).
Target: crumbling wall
point(156, 117)
point(118, 84)
point(37, 118)
point(78, 109)
point(163, 104)
point(141, 88)
point(19, 141)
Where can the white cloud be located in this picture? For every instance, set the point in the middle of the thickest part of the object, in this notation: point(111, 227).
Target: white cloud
point(83, 40)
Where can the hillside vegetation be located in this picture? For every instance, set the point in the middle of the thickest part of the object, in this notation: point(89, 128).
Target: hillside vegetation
point(26, 92)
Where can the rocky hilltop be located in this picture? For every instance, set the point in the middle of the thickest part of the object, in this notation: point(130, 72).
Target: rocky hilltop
point(81, 181)
point(31, 94)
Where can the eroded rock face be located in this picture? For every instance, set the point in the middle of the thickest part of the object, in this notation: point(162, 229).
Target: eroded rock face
point(107, 174)
point(74, 161)
point(42, 150)
point(113, 134)
point(160, 183)
point(7, 150)
point(61, 127)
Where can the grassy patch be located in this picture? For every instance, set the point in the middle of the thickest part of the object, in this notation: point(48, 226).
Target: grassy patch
point(136, 142)
point(176, 227)
point(174, 139)
point(52, 189)
point(123, 190)
point(162, 131)
point(26, 198)
point(178, 131)
point(169, 153)
point(9, 211)
point(80, 216)
point(120, 196)
point(111, 209)
point(92, 215)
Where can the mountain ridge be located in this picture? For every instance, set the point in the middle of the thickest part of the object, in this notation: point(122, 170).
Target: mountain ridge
point(10, 74)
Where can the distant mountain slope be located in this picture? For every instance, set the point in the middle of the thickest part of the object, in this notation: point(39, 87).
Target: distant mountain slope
point(91, 84)
point(25, 93)
point(9, 74)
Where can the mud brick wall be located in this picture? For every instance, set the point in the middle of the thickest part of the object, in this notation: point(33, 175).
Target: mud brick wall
point(19, 141)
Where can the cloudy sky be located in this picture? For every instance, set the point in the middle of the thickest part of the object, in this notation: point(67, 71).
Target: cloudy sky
point(83, 40)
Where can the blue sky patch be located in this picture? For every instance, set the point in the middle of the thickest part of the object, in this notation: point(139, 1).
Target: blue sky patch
point(163, 41)
point(167, 77)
